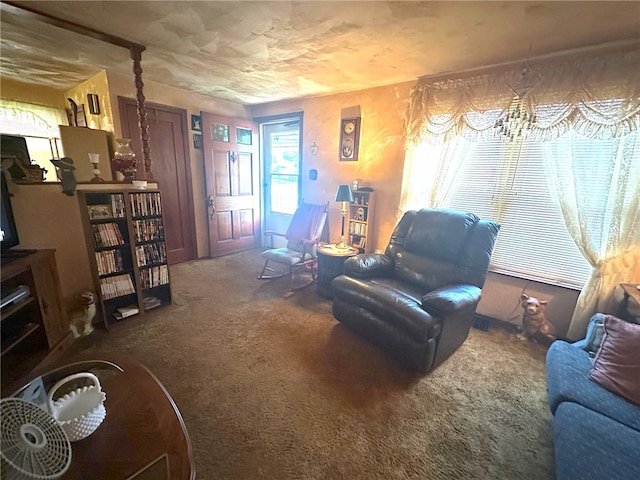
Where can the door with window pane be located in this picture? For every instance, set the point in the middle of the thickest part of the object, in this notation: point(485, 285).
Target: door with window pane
point(232, 178)
point(281, 155)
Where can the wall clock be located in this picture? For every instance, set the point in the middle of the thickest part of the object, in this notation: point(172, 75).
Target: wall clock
point(349, 138)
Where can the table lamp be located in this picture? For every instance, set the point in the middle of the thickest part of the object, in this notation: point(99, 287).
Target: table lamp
point(94, 158)
point(343, 195)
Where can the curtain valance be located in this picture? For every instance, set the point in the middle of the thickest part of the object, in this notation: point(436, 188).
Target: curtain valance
point(597, 96)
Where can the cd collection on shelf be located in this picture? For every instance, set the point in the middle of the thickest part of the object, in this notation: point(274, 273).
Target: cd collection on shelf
point(151, 253)
point(109, 261)
point(145, 204)
point(107, 235)
point(148, 229)
point(117, 286)
point(154, 276)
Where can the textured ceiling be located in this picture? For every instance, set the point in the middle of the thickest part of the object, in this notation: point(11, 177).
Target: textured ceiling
point(256, 52)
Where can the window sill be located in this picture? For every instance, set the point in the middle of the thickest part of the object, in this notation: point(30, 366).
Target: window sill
point(531, 278)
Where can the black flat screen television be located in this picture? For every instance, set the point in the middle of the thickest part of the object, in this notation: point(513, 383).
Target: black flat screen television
point(8, 230)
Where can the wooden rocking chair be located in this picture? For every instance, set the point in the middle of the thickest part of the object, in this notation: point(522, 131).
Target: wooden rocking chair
point(307, 228)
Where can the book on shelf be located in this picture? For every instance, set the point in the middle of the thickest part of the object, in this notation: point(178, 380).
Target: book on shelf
point(107, 235)
point(154, 276)
point(149, 229)
point(117, 204)
point(116, 286)
point(124, 312)
point(145, 204)
point(109, 261)
point(151, 253)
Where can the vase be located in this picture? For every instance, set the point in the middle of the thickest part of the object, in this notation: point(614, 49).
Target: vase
point(129, 175)
point(124, 159)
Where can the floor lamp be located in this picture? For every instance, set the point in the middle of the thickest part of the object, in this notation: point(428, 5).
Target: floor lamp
point(343, 195)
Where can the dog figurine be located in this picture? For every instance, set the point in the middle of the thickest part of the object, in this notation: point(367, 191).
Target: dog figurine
point(82, 314)
point(535, 325)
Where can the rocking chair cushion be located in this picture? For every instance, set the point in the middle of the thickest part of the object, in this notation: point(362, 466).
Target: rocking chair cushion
point(285, 256)
point(308, 226)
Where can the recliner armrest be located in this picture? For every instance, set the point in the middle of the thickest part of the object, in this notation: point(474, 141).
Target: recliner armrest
point(451, 299)
point(367, 265)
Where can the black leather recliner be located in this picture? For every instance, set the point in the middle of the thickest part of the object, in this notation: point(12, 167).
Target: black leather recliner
point(417, 301)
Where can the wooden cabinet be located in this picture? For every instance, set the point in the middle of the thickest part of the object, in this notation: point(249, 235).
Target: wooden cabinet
point(360, 223)
point(35, 327)
point(124, 232)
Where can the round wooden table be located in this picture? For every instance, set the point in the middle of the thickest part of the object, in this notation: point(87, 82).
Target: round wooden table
point(330, 265)
point(143, 435)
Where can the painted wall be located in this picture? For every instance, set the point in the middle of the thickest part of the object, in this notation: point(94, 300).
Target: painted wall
point(99, 85)
point(47, 218)
point(193, 103)
point(381, 156)
point(36, 94)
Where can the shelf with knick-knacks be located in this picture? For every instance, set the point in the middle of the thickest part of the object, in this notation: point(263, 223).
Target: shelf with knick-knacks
point(360, 220)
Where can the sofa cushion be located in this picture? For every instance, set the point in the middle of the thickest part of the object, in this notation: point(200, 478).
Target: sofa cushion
point(616, 366)
point(568, 381)
point(595, 332)
point(590, 445)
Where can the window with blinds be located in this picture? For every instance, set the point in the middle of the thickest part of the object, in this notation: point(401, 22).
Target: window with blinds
point(508, 182)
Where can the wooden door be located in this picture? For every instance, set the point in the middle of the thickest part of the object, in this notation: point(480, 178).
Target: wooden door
point(232, 181)
point(168, 136)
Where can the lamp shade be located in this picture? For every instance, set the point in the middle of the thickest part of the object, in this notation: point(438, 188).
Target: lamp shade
point(344, 194)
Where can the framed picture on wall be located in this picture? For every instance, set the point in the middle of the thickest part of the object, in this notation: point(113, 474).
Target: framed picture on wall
point(196, 123)
point(197, 140)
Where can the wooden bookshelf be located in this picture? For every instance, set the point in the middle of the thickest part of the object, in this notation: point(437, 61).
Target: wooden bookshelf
point(124, 232)
point(360, 221)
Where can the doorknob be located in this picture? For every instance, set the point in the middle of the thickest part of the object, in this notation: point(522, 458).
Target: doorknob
point(211, 205)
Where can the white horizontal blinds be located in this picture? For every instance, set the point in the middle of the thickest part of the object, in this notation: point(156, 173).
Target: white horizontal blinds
point(536, 242)
point(507, 182)
point(476, 188)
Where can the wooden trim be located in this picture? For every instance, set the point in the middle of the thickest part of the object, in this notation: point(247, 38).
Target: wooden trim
point(122, 101)
point(34, 14)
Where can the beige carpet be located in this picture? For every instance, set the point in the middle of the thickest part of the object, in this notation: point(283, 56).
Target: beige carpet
point(272, 386)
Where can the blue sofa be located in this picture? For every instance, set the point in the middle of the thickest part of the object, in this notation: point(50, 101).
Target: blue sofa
point(596, 433)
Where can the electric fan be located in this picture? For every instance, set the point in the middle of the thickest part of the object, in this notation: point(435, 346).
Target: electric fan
point(33, 445)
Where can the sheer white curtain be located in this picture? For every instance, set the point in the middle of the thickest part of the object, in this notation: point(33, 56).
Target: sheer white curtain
point(606, 232)
point(596, 95)
point(19, 118)
point(430, 173)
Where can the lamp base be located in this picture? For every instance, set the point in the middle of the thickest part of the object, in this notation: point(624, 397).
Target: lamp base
point(342, 245)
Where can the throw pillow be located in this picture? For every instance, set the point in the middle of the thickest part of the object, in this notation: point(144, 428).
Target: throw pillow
point(616, 366)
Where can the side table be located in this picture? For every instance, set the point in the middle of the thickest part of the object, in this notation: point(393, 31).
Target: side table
point(330, 265)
